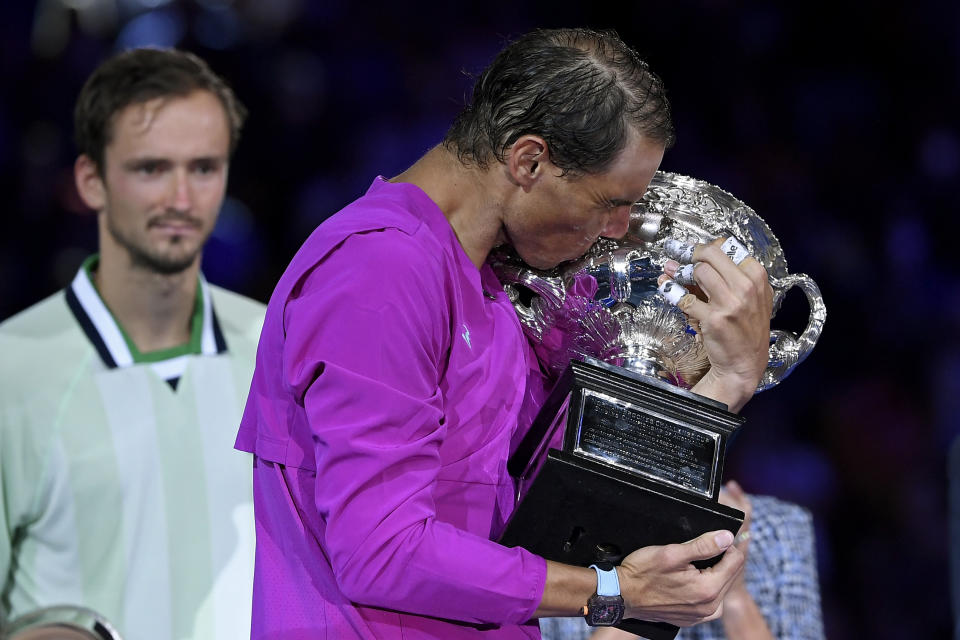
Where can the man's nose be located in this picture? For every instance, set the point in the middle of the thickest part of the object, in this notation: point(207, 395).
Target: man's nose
point(618, 224)
point(182, 191)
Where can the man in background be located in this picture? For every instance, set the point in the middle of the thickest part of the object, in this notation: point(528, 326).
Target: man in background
point(119, 396)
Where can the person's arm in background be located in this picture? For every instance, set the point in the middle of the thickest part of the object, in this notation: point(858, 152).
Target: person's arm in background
point(741, 615)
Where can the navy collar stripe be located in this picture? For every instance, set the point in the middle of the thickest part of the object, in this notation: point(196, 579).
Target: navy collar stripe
point(218, 333)
point(89, 329)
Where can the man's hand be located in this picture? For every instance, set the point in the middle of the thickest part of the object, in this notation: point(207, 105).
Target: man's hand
point(659, 583)
point(733, 321)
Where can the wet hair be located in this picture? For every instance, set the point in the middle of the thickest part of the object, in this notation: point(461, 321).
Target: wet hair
point(580, 90)
point(138, 76)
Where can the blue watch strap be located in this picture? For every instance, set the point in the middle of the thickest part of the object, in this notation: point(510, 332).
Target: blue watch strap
point(608, 583)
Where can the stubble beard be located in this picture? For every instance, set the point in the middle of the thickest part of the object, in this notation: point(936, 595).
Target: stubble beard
point(154, 260)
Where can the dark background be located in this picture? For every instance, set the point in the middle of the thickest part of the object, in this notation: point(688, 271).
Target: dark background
point(837, 123)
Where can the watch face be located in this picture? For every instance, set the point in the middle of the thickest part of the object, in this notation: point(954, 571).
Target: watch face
point(605, 610)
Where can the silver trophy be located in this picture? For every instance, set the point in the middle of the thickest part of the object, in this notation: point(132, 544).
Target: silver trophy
point(606, 305)
point(642, 456)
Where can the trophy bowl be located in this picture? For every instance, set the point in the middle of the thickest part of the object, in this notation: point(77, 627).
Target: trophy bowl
point(606, 305)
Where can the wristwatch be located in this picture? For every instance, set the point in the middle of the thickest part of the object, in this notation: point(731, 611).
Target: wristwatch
point(605, 607)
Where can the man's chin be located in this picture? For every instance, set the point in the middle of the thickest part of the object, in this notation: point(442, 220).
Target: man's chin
point(165, 264)
point(557, 263)
point(541, 265)
point(171, 268)
point(543, 262)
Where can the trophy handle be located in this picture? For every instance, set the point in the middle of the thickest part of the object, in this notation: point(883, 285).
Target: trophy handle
point(787, 350)
point(549, 294)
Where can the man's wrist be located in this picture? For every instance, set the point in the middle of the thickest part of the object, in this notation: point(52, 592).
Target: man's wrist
point(731, 389)
point(605, 607)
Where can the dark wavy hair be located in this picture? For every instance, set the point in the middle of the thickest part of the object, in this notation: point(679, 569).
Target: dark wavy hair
point(138, 76)
point(579, 89)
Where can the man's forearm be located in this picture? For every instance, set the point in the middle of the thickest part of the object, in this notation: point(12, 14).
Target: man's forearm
point(566, 590)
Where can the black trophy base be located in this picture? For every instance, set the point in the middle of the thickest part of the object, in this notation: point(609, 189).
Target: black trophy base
point(578, 512)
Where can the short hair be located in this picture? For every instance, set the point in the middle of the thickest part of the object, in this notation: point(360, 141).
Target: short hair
point(579, 89)
point(140, 75)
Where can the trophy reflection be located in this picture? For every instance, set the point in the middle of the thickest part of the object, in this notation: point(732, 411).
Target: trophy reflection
point(622, 455)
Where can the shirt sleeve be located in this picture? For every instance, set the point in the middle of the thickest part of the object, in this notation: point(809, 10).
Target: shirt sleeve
point(6, 517)
point(366, 343)
point(19, 482)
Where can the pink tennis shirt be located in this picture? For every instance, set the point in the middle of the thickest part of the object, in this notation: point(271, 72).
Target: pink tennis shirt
point(392, 384)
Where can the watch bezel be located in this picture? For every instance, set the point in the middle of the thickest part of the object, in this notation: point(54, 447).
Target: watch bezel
point(606, 603)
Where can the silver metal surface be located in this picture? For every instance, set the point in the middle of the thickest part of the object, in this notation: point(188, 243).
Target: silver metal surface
point(60, 622)
point(606, 304)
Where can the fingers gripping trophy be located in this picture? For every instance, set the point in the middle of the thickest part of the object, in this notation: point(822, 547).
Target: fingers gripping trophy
point(641, 459)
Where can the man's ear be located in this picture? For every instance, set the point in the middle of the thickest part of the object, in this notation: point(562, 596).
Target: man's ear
point(527, 159)
point(89, 183)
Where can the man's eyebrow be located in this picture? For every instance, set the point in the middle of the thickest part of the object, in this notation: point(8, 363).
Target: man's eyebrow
point(163, 159)
point(139, 160)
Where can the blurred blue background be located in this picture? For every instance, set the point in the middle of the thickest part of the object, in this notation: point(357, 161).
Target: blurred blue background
point(836, 122)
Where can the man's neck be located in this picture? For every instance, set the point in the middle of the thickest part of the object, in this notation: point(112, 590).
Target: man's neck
point(154, 309)
point(467, 196)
